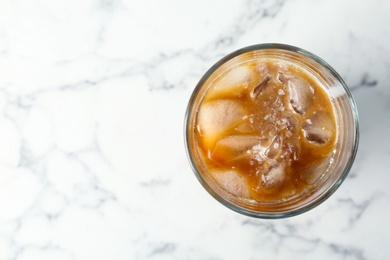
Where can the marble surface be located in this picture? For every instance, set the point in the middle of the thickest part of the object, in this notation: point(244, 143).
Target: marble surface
point(92, 101)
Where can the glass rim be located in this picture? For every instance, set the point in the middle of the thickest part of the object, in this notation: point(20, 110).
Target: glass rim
point(311, 204)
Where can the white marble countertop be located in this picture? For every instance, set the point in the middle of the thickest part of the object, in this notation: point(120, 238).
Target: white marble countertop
point(92, 101)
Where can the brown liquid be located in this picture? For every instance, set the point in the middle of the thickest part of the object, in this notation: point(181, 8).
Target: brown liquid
point(274, 128)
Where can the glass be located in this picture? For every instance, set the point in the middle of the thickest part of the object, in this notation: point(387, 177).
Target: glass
point(345, 146)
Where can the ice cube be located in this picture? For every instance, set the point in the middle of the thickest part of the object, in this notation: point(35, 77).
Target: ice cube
point(293, 149)
point(300, 93)
point(273, 178)
point(260, 151)
point(274, 147)
point(315, 171)
point(217, 116)
point(260, 87)
point(236, 147)
point(232, 182)
point(319, 127)
point(232, 82)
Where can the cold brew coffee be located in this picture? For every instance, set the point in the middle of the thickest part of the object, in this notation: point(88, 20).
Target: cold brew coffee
point(263, 131)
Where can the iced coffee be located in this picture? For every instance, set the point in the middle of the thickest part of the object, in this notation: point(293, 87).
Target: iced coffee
point(265, 131)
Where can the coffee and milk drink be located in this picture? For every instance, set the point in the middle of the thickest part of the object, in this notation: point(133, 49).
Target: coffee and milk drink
point(264, 131)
